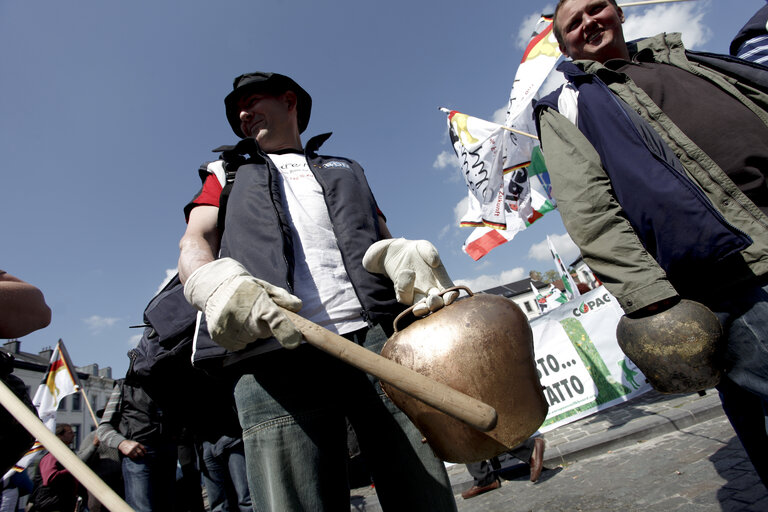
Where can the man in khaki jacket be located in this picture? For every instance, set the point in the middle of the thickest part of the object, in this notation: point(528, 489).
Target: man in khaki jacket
point(658, 160)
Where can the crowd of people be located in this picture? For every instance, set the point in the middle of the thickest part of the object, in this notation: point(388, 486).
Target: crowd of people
point(645, 141)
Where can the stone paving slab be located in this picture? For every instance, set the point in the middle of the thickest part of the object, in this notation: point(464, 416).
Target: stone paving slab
point(644, 417)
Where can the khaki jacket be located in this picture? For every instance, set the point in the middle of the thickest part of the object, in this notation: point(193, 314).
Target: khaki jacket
point(593, 216)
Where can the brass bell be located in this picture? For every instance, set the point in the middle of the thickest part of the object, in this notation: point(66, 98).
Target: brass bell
point(481, 345)
point(676, 349)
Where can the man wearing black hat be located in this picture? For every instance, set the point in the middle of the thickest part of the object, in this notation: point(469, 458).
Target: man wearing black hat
point(301, 230)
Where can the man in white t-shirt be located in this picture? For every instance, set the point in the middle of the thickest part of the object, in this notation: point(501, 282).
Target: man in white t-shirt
point(301, 230)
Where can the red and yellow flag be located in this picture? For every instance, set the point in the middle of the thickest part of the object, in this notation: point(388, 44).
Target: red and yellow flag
point(59, 381)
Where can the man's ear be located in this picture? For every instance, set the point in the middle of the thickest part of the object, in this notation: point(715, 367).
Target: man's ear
point(621, 13)
point(562, 50)
point(291, 99)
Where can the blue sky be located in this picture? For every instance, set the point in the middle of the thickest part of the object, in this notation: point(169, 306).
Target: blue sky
point(108, 108)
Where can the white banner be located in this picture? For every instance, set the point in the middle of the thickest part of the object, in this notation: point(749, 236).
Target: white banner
point(579, 362)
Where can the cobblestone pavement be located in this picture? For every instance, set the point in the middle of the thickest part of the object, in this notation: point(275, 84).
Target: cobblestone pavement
point(699, 468)
point(653, 453)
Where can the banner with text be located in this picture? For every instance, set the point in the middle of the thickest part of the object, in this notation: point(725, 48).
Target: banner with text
point(579, 362)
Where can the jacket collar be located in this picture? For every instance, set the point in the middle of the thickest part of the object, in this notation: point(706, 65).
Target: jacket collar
point(249, 146)
point(659, 48)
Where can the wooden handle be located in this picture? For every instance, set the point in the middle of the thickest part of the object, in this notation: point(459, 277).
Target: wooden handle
point(69, 460)
point(444, 398)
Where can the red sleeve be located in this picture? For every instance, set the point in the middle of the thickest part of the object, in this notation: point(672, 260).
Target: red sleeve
point(208, 195)
point(50, 469)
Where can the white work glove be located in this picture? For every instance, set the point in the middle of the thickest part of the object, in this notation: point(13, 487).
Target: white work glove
point(415, 268)
point(239, 308)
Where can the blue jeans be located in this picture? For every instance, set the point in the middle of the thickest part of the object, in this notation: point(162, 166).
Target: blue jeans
point(224, 475)
point(744, 387)
point(292, 408)
point(9, 499)
point(150, 480)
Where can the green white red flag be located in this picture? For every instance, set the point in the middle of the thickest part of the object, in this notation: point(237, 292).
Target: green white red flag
point(548, 299)
point(571, 290)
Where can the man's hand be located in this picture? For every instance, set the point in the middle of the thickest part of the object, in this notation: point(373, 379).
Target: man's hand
point(132, 449)
point(239, 308)
point(415, 268)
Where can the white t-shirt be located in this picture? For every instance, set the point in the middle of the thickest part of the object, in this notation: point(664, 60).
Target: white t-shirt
point(320, 279)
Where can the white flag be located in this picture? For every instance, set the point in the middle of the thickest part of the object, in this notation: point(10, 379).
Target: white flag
point(60, 380)
point(571, 290)
point(508, 192)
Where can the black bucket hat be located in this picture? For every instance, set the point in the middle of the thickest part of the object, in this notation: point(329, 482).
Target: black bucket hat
point(271, 83)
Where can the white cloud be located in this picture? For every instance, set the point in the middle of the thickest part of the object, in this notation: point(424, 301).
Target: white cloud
point(445, 159)
point(97, 323)
point(527, 25)
point(486, 281)
point(169, 273)
point(564, 245)
point(687, 18)
point(133, 341)
point(460, 209)
point(448, 160)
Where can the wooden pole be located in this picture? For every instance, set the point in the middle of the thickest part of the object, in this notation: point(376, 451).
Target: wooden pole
point(90, 409)
point(444, 398)
point(447, 111)
point(63, 454)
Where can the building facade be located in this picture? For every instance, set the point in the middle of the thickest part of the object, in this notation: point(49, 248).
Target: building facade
point(520, 293)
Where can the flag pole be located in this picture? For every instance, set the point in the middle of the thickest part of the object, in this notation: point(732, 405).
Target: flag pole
point(649, 2)
point(448, 111)
point(63, 454)
point(90, 409)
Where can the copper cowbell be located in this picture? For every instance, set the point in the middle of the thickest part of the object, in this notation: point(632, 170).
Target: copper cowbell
point(481, 345)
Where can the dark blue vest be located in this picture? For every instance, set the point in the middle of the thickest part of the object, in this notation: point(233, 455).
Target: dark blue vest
point(258, 235)
point(672, 217)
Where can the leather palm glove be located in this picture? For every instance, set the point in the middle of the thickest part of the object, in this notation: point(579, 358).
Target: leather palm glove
point(240, 308)
point(415, 268)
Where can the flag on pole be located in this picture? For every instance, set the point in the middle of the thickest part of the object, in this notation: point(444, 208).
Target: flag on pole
point(25, 460)
point(550, 299)
point(541, 303)
point(478, 144)
point(59, 381)
point(502, 166)
point(483, 239)
point(570, 286)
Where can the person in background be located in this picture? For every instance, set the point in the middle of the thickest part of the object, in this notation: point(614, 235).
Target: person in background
point(484, 476)
point(189, 488)
point(58, 490)
point(224, 475)
point(134, 425)
point(14, 487)
point(22, 310)
point(751, 43)
point(105, 462)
